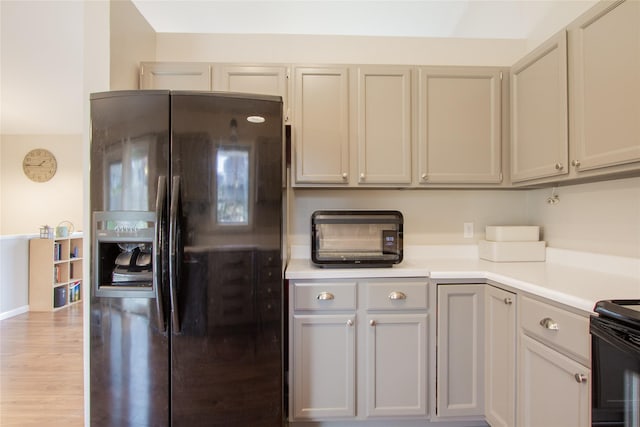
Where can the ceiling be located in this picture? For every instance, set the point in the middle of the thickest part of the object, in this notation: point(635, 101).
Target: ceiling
point(487, 19)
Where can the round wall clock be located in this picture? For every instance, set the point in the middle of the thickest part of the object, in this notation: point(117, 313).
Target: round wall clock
point(39, 165)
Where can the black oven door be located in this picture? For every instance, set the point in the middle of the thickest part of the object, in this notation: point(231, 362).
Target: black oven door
point(615, 373)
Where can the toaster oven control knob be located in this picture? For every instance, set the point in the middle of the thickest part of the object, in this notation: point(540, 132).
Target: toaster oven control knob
point(581, 378)
point(325, 296)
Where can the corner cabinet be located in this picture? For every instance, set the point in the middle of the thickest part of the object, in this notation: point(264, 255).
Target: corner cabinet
point(539, 113)
point(500, 357)
point(460, 125)
point(575, 107)
point(55, 273)
point(321, 125)
point(358, 350)
point(460, 351)
point(605, 86)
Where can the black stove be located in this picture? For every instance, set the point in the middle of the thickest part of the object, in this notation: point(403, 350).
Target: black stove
point(615, 363)
point(623, 310)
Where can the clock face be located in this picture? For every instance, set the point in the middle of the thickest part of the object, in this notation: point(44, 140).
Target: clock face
point(39, 165)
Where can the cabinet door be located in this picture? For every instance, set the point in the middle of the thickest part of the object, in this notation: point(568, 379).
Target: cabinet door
point(323, 366)
point(539, 114)
point(175, 76)
point(500, 357)
point(253, 79)
point(321, 125)
point(460, 126)
point(384, 125)
point(396, 356)
point(605, 86)
point(460, 350)
point(553, 390)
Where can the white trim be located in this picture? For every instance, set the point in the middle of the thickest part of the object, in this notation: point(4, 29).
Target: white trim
point(14, 312)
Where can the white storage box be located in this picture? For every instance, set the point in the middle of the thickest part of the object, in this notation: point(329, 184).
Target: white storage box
point(512, 251)
point(512, 233)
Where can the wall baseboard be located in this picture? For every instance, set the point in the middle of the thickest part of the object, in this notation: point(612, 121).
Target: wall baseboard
point(14, 312)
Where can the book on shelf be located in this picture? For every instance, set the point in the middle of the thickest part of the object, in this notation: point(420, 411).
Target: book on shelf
point(57, 251)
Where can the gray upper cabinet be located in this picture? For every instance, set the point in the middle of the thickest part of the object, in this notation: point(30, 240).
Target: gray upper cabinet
point(263, 80)
point(460, 123)
point(539, 114)
point(605, 86)
point(321, 125)
point(384, 125)
point(175, 75)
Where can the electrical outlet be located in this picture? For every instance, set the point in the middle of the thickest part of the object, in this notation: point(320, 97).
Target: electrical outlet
point(468, 230)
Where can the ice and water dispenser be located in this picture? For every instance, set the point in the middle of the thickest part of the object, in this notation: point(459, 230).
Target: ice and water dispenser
point(123, 264)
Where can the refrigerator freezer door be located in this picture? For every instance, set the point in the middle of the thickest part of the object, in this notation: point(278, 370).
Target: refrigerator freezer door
point(226, 355)
point(129, 349)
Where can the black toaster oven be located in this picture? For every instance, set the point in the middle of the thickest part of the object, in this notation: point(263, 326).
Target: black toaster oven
point(356, 238)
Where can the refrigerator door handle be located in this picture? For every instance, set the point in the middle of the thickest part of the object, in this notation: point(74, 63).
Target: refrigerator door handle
point(161, 197)
point(173, 252)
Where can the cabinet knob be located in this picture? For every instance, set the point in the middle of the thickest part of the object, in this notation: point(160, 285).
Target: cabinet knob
point(344, 176)
point(362, 176)
point(581, 378)
point(550, 324)
point(325, 296)
point(397, 295)
point(508, 301)
point(423, 177)
point(575, 163)
point(372, 322)
point(349, 322)
point(559, 166)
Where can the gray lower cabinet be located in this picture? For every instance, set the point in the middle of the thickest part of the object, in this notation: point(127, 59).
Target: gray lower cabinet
point(324, 365)
point(554, 379)
point(500, 357)
point(460, 351)
point(358, 350)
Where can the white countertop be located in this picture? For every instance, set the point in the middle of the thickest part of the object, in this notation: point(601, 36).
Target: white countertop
point(566, 283)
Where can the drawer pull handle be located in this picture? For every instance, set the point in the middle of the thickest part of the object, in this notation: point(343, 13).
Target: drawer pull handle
point(396, 295)
point(325, 296)
point(581, 378)
point(549, 323)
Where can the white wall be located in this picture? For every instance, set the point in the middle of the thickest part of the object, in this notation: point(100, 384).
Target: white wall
point(431, 217)
point(132, 40)
point(26, 205)
point(602, 217)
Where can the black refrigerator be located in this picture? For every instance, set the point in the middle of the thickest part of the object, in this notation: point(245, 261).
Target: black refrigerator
point(186, 259)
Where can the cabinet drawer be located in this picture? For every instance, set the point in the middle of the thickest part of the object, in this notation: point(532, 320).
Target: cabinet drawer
point(396, 295)
point(324, 296)
point(563, 329)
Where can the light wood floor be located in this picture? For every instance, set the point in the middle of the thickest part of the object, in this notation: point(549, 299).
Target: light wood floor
point(41, 380)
